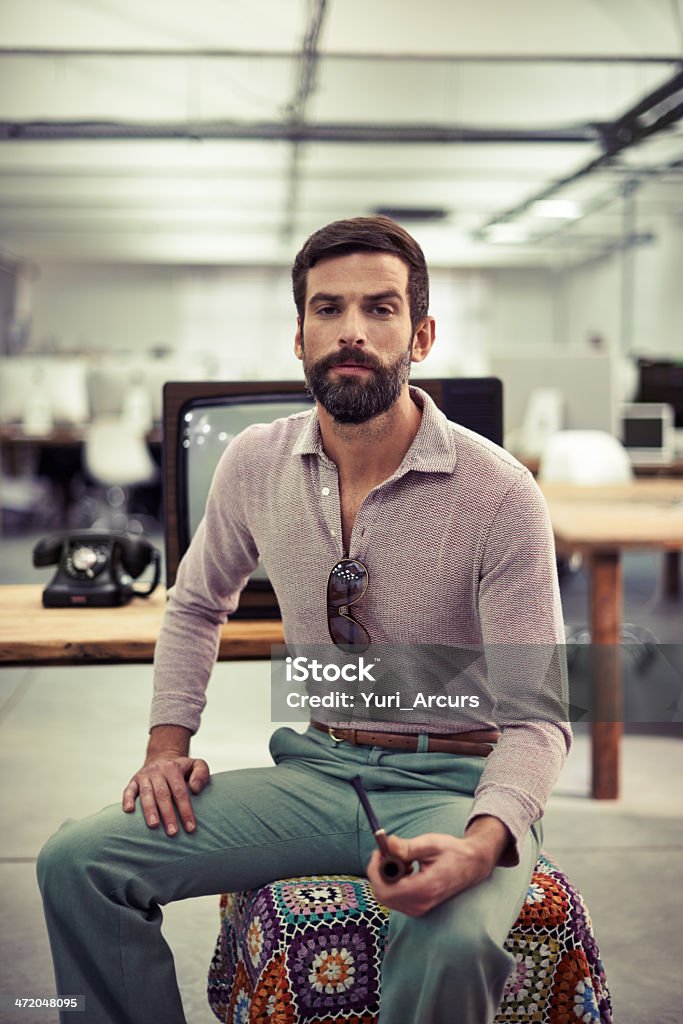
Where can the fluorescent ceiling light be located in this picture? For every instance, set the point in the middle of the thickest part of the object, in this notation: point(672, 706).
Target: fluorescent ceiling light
point(507, 234)
point(558, 209)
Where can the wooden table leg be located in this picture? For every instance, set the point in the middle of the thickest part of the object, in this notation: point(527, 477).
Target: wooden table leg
point(606, 712)
point(672, 573)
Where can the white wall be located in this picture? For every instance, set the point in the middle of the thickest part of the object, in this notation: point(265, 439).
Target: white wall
point(520, 308)
point(6, 306)
point(245, 318)
point(591, 295)
point(658, 307)
point(99, 308)
point(240, 321)
point(588, 303)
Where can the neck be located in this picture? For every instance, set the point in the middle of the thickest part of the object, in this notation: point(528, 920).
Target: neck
point(371, 451)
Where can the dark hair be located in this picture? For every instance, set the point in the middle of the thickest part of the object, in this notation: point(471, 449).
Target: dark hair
point(365, 234)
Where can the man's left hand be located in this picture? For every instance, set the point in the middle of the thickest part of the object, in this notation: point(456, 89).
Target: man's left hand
point(447, 866)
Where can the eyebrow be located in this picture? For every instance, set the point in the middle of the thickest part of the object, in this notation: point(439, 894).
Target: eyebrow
point(390, 293)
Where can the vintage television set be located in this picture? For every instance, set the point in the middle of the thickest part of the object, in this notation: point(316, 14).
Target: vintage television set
point(647, 432)
point(200, 418)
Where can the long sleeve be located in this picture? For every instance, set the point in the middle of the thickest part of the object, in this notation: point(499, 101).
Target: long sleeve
point(523, 635)
point(211, 576)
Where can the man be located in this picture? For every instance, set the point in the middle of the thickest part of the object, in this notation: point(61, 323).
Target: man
point(450, 544)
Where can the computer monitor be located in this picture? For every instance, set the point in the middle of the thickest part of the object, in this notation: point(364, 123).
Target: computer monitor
point(200, 418)
point(647, 432)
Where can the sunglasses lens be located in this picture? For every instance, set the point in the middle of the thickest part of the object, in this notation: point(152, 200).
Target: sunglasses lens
point(347, 583)
point(347, 632)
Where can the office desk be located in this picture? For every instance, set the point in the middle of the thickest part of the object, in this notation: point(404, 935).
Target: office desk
point(663, 470)
point(33, 635)
point(601, 522)
point(62, 435)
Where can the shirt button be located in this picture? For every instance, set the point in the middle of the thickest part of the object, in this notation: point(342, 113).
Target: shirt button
point(325, 491)
point(333, 533)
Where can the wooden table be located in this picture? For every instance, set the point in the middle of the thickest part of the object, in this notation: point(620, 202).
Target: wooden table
point(600, 523)
point(33, 635)
point(60, 436)
point(647, 469)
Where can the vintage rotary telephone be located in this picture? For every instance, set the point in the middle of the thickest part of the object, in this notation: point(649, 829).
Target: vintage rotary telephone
point(96, 568)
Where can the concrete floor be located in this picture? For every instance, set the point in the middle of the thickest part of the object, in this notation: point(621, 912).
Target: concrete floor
point(71, 737)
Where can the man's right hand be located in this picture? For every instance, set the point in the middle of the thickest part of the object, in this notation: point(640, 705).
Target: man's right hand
point(166, 781)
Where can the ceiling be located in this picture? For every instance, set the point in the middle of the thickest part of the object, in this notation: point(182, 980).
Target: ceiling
point(225, 131)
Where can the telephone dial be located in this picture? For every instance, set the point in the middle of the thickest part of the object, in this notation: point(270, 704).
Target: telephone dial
point(96, 568)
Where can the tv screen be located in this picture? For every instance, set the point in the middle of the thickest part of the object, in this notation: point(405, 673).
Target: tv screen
point(208, 427)
point(643, 433)
point(200, 418)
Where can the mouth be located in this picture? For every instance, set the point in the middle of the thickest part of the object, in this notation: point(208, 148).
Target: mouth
point(352, 368)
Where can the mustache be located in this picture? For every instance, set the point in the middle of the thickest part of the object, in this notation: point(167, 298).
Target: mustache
point(348, 355)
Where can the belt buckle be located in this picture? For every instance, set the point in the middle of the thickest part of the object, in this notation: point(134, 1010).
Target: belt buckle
point(336, 739)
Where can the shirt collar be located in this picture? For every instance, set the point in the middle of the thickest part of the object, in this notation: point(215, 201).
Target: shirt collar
point(432, 450)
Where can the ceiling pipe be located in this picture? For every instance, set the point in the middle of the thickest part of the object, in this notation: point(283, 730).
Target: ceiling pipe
point(297, 113)
point(209, 53)
point(627, 304)
point(293, 131)
point(664, 104)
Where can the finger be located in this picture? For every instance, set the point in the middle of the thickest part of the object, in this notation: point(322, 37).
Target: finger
point(420, 848)
point(161, 795)
point(199, 776)
point(130, 794)
point(377, 877)
point(148, 801)
point(180, 795)
point(374, 875)
point(408, 895)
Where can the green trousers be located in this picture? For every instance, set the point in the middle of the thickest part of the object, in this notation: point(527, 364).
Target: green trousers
point(104, 879)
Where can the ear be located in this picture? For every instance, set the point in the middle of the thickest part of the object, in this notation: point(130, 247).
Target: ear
point(423, 339)
point(299, 340)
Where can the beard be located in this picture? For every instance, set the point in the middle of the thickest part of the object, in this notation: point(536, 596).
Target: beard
point(353, 399)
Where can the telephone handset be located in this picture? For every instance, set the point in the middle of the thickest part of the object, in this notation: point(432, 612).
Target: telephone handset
point(96, 568)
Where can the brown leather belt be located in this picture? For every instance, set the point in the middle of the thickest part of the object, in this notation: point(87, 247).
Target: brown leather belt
point(478, 743)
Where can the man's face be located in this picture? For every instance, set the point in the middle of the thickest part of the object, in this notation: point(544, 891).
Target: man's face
point(356, 340)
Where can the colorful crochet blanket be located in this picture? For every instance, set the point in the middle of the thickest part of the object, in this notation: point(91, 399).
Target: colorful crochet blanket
point(309, 950)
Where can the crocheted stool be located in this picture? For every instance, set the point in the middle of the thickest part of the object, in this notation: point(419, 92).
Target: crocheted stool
point(308, 951)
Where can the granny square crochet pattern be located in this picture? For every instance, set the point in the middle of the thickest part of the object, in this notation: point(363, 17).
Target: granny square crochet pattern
point(309, 951)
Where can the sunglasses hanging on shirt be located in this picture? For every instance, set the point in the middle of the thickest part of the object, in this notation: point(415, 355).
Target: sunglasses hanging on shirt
point(347, 583)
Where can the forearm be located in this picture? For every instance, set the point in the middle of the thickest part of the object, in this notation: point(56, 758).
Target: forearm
point(490, 838)
point(518, 778)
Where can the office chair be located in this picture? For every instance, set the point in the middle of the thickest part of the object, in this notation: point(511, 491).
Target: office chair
point(585, 457)
point(117, 458)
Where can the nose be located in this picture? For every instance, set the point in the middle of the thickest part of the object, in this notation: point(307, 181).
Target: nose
point(352, 329)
